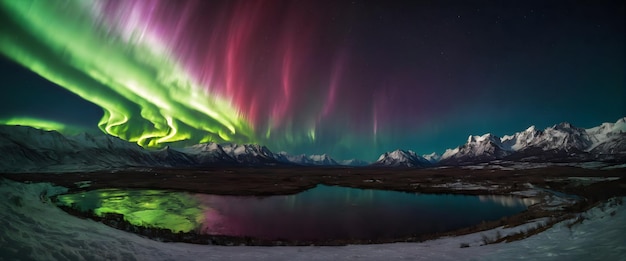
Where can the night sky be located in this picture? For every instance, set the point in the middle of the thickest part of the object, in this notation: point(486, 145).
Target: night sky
point(352, 79)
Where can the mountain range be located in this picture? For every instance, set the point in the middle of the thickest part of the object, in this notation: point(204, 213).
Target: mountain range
point(24, 149)
point(402, 158)
point(559, 143)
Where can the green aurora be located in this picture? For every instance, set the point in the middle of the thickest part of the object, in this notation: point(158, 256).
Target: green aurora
point(39, 124)
point(351, 79)
point(145, 97)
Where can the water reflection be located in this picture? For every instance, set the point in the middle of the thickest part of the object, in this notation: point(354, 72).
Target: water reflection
point(322, 213)
point(327, 212)
point(156, 208)
point(509, 201)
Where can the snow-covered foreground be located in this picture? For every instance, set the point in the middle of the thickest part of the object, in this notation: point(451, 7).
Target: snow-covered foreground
point(33, 228)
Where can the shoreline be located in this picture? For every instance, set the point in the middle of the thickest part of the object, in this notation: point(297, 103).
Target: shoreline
point(591, 186)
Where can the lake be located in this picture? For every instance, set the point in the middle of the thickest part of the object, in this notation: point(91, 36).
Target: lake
point(319, 214)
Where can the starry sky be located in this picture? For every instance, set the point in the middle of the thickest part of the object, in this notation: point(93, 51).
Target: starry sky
point(352, 79)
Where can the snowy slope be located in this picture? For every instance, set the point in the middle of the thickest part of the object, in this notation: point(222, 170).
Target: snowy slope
point(606, 131)
point(561, 142)
point(432, 158)
point(562, 136)
point(24, 149)
point(250, 154)
point(34, 229)
point(477, 149)
point(208, 153)
point(402, 158)
point(608, 138)
point(310, 160)
point(323, 160)
point(29, 149)
point(520, 140)
point(232, 154)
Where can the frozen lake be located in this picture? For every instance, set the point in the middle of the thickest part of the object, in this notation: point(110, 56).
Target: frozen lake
point(322, 213)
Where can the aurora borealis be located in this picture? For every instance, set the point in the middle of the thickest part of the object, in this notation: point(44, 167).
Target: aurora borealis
point(349, 78)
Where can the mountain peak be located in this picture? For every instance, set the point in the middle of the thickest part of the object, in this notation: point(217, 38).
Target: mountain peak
point(562, 141)
point(314, 160)
point(478, 148)
point(28, 149)
point(432, 157)
point(401, 158)
point(532, 128)
point(484, 138)
point(324, 158)
point(563, 126)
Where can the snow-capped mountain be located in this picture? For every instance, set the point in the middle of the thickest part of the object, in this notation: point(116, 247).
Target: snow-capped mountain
point(562, 136)
point(401, 158)
point(608, 138)
point(432, 158)
point(208, 153)
point(478, 148)
point(250, 154)
point(521, 139)
point(232, 154)
point(561, 142)
point(310, 160)
point(28, 149)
